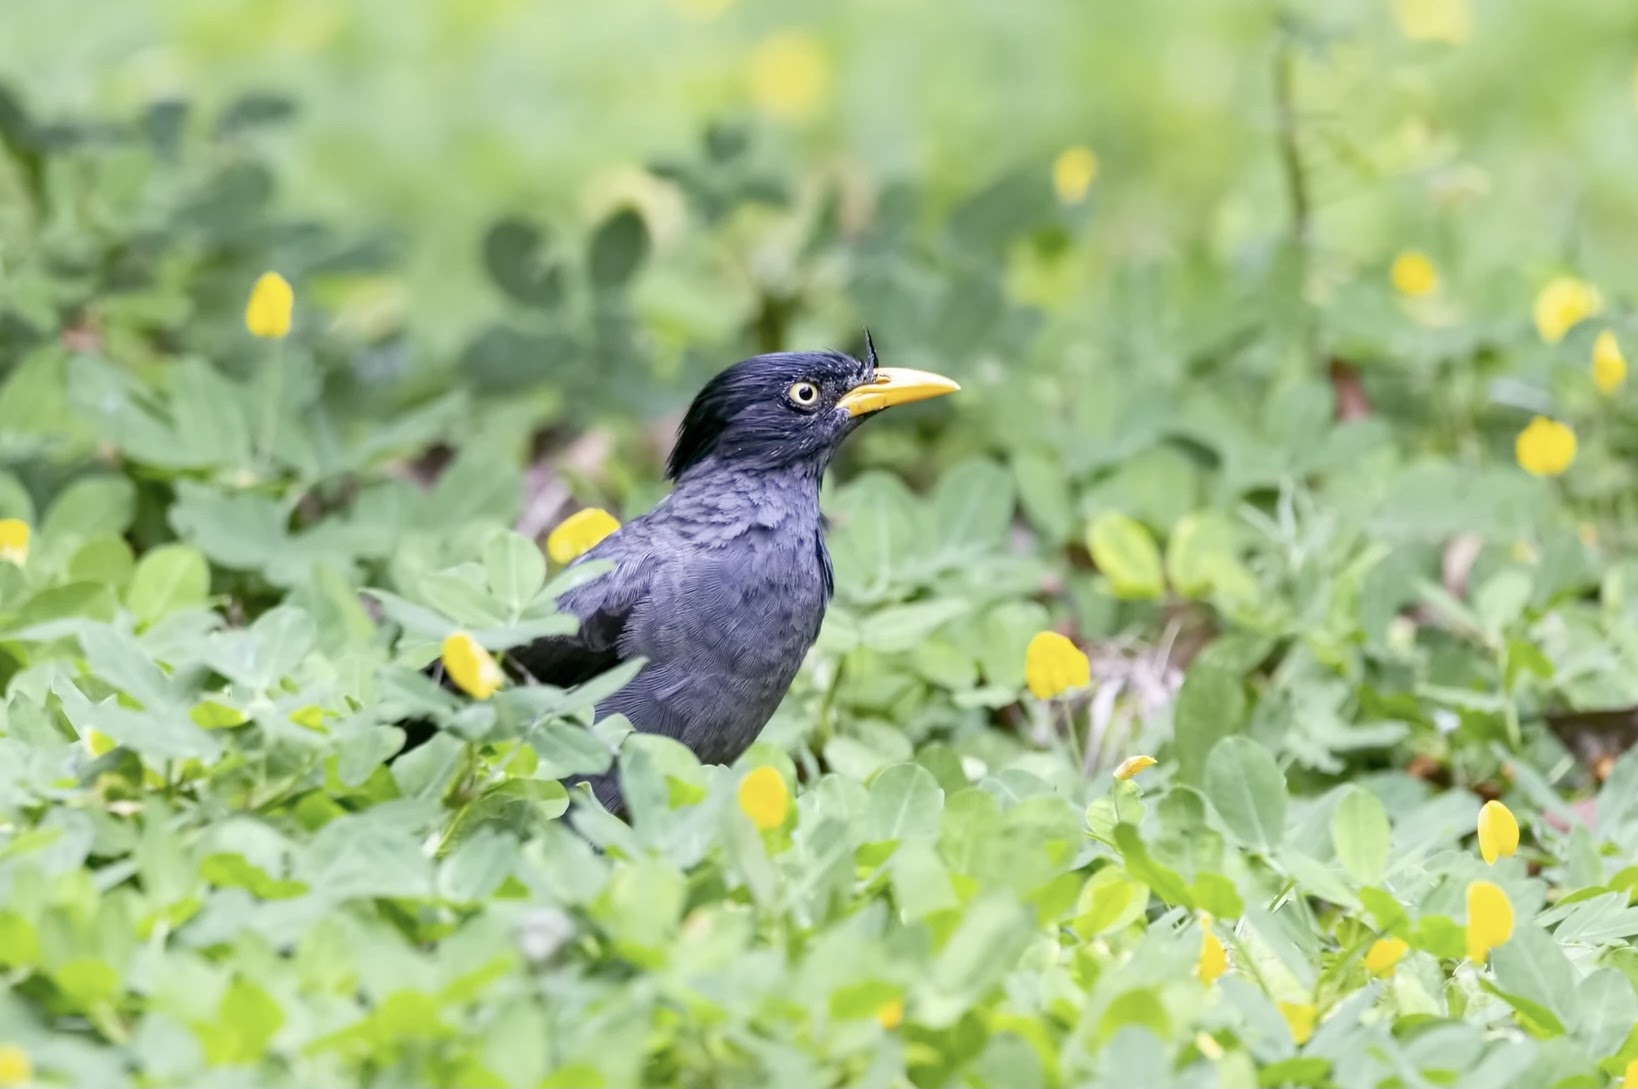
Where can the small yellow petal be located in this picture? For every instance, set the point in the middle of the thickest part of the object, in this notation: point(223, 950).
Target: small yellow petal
point(764, 798)
point(1489, 919)
point(1564, 303)
point(579, 533)
point(1449, 21)
point(1073, 173)
point(267, 314)
point(1629, 1080)
point(1213, 957)
point(1413, 274)
point(1134, 764)
point(788, 75)
point(1208, 1046)
point(471, 666)
point(97, 743)
point(1053, 665)
point(1300, 1017)
point(1545, 447)
point(1609, 366)
point(891, 1014)
point(16, 1069)
point(1498, 832)
point(1383, 955)
point(14, 541)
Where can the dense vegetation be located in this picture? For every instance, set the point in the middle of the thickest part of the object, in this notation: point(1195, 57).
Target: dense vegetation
point(1294, 394)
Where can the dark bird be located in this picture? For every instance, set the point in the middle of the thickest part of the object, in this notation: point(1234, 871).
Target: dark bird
point(722, 586)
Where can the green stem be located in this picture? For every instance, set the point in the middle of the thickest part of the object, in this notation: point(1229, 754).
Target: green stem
point(271, 411)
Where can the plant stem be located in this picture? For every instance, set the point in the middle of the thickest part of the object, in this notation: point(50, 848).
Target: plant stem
point(271, 411)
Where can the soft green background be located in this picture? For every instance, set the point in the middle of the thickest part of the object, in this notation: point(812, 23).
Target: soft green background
point(429, 116)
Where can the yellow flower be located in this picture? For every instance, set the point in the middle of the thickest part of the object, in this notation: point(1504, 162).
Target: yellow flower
point(1053, 665)
point(14, 540)
point(1498, 832)
point(1073, 173)
point(1609, 366)
point(1413, 274)
point(267, 314)
point(1213, 957)
point(579, 533)
point(1629, 1080)
point(1448, 21)
point(1545, 447)
point(471, 666)
point(1489, 919)
point(1383, 955)
point(891, 1014)
point(788, 75)
point(1134, 764)
point(16, 1069)
point(1300, 1017)
point(764, 797)
point(1562, 304)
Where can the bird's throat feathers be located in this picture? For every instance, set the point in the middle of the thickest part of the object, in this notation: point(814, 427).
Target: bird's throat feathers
point(723, 492)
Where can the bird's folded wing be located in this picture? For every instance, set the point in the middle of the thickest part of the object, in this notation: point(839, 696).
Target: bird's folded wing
point(603, 607)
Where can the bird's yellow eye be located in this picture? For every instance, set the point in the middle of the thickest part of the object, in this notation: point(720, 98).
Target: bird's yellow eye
point(803, 394)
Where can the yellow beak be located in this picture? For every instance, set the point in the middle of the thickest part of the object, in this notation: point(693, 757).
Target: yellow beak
point(895, 386)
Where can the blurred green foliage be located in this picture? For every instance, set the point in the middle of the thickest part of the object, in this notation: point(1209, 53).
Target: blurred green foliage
point(1202, 430)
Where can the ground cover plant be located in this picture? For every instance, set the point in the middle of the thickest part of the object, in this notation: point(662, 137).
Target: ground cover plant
point(1233, 685)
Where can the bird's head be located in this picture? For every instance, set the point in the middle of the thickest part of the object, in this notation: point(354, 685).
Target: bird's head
point(791, 409)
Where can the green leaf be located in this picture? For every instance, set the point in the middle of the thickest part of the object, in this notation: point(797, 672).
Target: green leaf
point(986, 944)
point(106, 560)
point(15, 502)
point(92, 506)
point(921, 883)
point(1211, 705)
point(1217, 895)
point(475, 869)
point(85, 981)
point(1044, 493)
point(1247, 788)
point(618, 249)
point(246, 1022)
point(1359, 834)
point(1109, 900)
point(1607, 1010)
point(1126, 553)
point(1139, 1007)
point(905, 803)
point(900, 628)
point(516, 569)
point(1165, 881)
point(19, 941)
point(1201, 557)
point(517, 255)
point(1531, 965)
point(235, 871)
point(168, 579)
point(973, 504)
point(373, 854)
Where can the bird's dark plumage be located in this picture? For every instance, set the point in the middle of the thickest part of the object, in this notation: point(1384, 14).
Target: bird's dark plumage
point(722, 586)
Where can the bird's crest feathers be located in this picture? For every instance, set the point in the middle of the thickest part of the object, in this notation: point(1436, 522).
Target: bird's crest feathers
point(747, 398)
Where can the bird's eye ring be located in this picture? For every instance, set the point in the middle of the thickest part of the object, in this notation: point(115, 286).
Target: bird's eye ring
point(803, 394)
